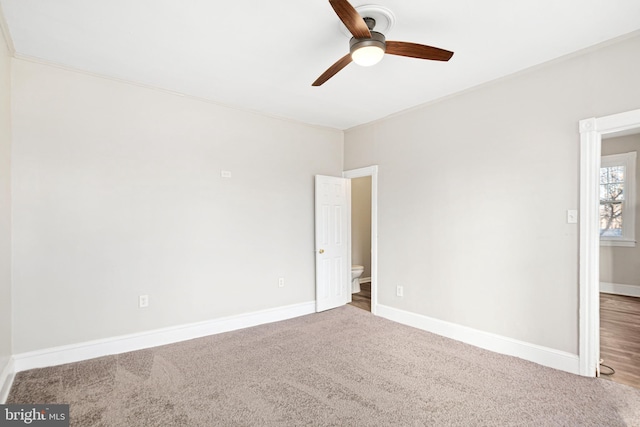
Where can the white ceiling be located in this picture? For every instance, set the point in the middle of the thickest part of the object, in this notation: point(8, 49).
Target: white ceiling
point(263, 56)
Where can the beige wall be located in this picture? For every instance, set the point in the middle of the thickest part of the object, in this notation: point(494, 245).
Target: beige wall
point(5, 203)
point(621, 265)
point(361, 223)
point(118, 193)
point(473, 193)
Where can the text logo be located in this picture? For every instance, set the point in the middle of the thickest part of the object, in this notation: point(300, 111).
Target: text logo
point(34, 415)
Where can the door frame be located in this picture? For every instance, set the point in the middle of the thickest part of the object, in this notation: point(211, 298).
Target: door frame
point(591, 132)
point(371, 171)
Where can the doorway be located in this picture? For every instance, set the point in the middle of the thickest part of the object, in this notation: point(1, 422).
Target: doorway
point(591, 133)
point(619, 260)
point(372, 285)
point(361, 242)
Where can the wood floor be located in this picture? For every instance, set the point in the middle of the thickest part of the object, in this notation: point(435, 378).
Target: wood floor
point(363, 298)
point(620, 338)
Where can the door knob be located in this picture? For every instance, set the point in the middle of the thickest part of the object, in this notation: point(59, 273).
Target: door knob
point(321, 251)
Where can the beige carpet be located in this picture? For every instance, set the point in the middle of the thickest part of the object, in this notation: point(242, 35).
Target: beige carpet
point(343, 367)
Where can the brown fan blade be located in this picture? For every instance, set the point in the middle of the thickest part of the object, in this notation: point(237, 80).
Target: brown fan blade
point(351, 19)
point(333, 70)
point(415, 50)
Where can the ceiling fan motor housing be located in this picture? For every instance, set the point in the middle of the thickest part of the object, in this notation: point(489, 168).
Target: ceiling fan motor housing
point(377, 39)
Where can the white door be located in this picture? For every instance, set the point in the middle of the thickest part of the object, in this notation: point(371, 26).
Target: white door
point(333, 272)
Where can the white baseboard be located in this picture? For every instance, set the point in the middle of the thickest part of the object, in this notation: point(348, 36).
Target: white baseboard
point(365, 280)
point(125, 343)
point(6, 379)
point(534, 353)
point(620, 289)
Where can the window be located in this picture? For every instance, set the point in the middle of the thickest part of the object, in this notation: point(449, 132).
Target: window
point(617, 199)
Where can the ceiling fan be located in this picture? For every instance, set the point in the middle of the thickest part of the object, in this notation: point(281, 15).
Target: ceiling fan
point(367, 47)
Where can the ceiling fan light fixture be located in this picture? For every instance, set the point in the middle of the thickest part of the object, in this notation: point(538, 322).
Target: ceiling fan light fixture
point(367, 55)
point(367, 52)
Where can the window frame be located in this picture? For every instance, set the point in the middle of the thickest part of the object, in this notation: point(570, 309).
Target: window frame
point(628, 160)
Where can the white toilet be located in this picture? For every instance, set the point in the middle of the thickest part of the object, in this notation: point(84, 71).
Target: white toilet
point(356, 272)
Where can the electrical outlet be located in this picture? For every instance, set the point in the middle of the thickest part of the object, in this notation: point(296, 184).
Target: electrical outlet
point(143, 301)
point(399, 291)
point(281, 282)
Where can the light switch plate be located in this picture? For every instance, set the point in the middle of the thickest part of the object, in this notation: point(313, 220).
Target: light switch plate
point(572, 216)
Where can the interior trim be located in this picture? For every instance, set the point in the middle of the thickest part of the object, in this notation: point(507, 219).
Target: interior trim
point(497, 343)
point(620, 289)
point(591, 133)
point(132, 342)
point(371, 171)
point(6, 380)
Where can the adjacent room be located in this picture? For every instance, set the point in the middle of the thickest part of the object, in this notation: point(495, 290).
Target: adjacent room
point(442, 232)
